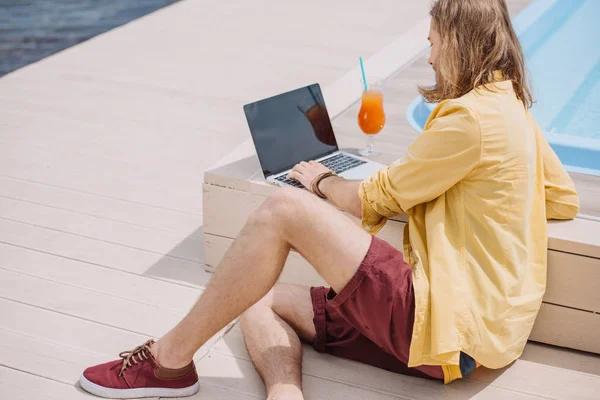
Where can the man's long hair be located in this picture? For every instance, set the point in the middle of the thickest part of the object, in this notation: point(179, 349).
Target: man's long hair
point(477, 38)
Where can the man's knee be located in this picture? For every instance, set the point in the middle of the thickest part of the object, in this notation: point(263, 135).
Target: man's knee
point(291, 303)
point(280, 206)
point(255, 312)
point(268, 301)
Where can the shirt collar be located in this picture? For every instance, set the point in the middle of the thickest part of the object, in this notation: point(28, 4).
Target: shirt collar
point(498, 75)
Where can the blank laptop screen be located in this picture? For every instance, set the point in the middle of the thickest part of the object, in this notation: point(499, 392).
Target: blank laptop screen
point(290, 128)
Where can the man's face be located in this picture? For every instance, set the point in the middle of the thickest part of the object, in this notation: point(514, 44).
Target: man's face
point(435, 40)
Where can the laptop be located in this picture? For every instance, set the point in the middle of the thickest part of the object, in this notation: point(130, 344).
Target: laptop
point(295, 126)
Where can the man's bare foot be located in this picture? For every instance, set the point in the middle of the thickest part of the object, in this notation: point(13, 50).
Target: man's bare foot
point(167, 358)
point(285, 392)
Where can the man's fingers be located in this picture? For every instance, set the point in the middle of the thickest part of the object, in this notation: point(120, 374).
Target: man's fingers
point(304, 164)
point(316, 164)
point(294, 175)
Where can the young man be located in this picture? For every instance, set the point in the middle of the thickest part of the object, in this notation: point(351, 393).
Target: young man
point(477, 185)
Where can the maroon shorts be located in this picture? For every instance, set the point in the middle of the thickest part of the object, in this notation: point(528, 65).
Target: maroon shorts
point(371, 319)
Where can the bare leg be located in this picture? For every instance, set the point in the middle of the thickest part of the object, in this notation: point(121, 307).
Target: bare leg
point(270, 328)
point(329, 240)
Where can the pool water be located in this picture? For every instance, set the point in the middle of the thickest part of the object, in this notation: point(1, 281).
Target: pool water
point(561, 42)
point(567, 36)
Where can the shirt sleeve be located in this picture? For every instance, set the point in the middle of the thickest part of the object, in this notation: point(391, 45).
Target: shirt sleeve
point(562, 201)
point(443, 154)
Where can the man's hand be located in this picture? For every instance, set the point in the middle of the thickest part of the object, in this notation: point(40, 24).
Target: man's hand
point(342, 193)
point(306, 172)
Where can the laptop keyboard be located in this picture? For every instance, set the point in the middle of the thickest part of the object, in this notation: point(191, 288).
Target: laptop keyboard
point(338, 164)
point(341, 162)
point(288, 181)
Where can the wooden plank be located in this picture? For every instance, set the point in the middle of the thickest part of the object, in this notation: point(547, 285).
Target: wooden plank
point(573, 281)
point(50, 360)
point(159, 152)
point(208, 391)
point(159, 158)
point(116, 182)
point(101, 207)
point(567, 327)
point(180, 246)
point(226, 210)
point(588, 189)
point(56, 345)
point(82, 303)
point(366, 377)
point(19, 393)
point(115, 283)
point(541, 380)
point(577, 236)
point(66, 330)
point(57, 362)
point(237, 374)
point(561, 357)
point(128, 179)
point(101, 253)
point(215, 118)
point(18, 385)
point(235, 175)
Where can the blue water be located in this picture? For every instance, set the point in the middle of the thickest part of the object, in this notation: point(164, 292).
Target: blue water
point(33, 29)
point(562, 53)
point(561, 42)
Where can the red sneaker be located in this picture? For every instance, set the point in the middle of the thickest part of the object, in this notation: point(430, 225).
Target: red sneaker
point(139, 375)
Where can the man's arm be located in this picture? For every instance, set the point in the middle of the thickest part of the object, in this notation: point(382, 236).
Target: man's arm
point(562, 201)
point(342, 193)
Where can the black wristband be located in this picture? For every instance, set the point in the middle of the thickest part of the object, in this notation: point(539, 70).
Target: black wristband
point(318, 191)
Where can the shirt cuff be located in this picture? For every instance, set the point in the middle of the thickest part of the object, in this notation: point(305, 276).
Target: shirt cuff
point(372, 222)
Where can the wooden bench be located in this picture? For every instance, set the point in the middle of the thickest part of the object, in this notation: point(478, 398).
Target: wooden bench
point(570, 314)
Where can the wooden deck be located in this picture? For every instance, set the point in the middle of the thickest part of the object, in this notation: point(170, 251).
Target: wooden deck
point(102, 153)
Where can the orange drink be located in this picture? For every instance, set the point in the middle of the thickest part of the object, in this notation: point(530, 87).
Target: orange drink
point(371, 117)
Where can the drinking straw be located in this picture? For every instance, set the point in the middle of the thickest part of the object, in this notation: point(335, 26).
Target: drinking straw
point(362, 69)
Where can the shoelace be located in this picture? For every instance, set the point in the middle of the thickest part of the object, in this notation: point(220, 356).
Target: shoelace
point(141, 352)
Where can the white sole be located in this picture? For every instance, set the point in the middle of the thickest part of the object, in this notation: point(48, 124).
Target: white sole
point(109, 393)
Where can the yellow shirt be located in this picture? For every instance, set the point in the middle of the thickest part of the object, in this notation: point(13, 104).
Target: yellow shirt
point(477, 185)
